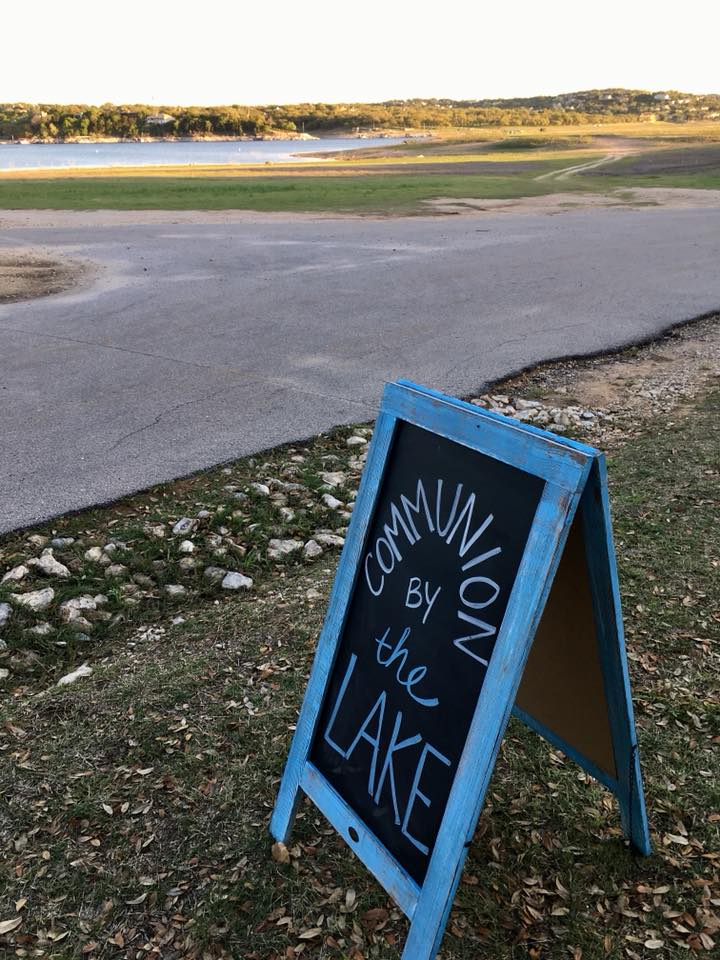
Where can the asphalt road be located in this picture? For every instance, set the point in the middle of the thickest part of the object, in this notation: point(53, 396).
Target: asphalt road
point(202, 342)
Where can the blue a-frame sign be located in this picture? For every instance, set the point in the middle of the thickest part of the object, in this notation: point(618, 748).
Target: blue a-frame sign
point(478, 579)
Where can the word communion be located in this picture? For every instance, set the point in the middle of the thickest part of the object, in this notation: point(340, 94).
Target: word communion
point(474, 592)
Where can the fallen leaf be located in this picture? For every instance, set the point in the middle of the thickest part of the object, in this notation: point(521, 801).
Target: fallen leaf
point(280, 853)
point(7, 925)
point(137, 900)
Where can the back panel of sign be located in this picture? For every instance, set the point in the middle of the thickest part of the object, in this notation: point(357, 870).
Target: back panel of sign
point(439, 563)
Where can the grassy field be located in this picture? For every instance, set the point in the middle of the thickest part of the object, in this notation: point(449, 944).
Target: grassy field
point(136, 802)
point(396, 193)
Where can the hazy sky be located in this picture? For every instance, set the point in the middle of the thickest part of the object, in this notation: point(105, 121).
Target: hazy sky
point(288, 51)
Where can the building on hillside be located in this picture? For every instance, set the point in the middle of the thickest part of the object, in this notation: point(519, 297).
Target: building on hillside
point(159, 119)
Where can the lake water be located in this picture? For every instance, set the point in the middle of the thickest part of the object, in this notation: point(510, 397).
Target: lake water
point(39, 156)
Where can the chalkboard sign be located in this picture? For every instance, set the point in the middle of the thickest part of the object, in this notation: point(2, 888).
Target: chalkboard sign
point(439, 563)
point(450, 570)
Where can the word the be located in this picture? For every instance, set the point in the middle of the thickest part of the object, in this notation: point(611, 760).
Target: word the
point(399, 653)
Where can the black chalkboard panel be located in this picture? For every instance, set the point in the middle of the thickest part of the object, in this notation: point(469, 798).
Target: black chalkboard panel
point(439, 562)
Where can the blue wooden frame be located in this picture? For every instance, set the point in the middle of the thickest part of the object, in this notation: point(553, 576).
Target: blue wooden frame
point(575, 483)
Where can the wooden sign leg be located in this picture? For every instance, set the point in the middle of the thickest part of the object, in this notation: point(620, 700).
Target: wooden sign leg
point(602, 571)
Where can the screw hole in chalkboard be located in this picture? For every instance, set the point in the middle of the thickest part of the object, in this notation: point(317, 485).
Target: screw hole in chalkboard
point(354, 835)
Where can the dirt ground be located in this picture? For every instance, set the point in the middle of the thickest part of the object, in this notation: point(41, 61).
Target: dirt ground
point(560, 202)
point(24, 276)
point(690, 158)
point(608, 399)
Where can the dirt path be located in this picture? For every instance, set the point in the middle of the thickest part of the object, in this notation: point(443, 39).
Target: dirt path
point(568, 172)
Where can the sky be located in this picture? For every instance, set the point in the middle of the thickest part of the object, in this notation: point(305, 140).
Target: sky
point(218, 52)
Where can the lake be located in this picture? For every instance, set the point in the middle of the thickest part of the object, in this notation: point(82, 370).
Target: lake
point(51, 156)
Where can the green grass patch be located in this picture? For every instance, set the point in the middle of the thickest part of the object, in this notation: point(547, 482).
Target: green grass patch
point(373, 193)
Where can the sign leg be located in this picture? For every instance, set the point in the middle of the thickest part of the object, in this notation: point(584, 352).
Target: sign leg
point(602, 569)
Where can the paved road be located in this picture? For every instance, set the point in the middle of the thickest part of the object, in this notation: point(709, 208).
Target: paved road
point(202, 342)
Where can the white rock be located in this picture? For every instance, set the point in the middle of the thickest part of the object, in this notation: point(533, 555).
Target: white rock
point(202, 515)
point(215, 574)
point(333, 479)
point(187, 564)
point(61, 542)
point(330, 539)
point(278, 549)
point(184, 526)
point(287, 513)
point(313, 594)
point(101, 600)
point(36, 600)
point(175, 590)
point(236, 581)
point(312, 549)
point(331, 502)
point(16, 574)
point(3, 646)
point(356, 441)
point(158, 531)
point(71, 609)
point(83, 671)
point(4, 673)
point(50, 566)
point(5, 611)
point(261, 489)
point(43, 629)
point(187, 546)
point(38, 540)
point(527, 404)
point(94, 554)
point(116, 570)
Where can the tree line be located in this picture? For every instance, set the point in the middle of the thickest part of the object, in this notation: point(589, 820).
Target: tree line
point(72, 121)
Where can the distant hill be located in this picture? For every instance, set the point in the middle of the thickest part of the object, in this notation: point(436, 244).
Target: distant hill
point(43, 121)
